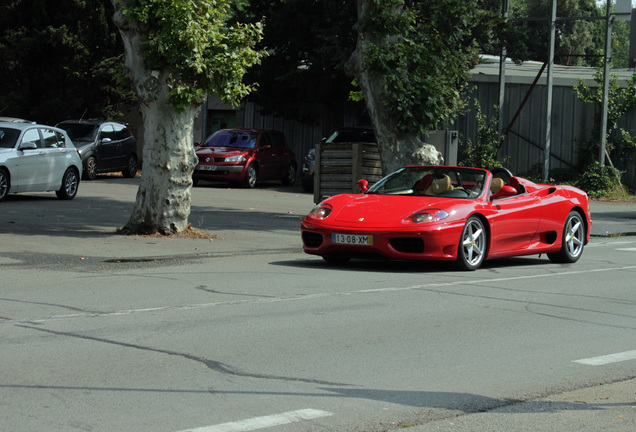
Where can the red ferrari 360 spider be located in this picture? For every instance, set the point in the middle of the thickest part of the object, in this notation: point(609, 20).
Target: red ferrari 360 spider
point(461, 214)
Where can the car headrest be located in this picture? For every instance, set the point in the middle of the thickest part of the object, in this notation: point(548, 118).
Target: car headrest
point(424, 183)
point(496, 184)
point(441, 184)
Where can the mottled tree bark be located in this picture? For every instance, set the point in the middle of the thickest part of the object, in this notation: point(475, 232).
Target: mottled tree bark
point(164, 195)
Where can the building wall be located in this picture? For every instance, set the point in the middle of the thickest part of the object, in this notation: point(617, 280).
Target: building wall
point(572, 119)
point(522, 152)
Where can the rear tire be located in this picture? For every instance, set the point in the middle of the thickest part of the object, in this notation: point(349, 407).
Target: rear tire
point(290, 175)
point(472, 245)
point(572, 242)
point(131, 167)
point(5, 184)
point(70, 184)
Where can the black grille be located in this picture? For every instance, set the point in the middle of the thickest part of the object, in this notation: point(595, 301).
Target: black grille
point(312, 239)
point(408, 244)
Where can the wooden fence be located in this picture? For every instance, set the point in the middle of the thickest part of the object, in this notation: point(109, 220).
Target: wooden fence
point(339, 166)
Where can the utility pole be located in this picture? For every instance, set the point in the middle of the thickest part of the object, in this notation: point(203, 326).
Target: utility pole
point(548, 123)
point(606, 77)
point(502, 73)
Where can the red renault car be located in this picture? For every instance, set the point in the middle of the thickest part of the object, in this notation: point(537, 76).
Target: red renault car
point(245, 156)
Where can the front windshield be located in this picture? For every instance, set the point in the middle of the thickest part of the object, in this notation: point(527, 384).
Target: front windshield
point(8, 137)
point(231, 138)
point(450, 182)
point(80, 132)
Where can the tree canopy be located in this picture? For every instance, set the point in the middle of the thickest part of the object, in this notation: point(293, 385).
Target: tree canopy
point(308, 43)
point(61, 59)
point(192, 39)
point(578, 41)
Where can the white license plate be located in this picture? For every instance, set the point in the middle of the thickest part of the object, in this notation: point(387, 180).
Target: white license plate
point(206, 167)
point(352, 239)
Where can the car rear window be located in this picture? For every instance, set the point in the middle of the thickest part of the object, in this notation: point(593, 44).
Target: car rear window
point(80, 132)
point(122, 132)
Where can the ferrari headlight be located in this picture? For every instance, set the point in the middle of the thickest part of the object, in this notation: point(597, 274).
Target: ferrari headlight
point(240, 158)
point(423, 216)
point(321, 211)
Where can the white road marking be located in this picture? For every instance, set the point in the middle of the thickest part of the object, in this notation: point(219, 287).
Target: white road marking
point(627, 249)
point(315, 296)
point(607, 359)
point(264, 422)
point(598, 243)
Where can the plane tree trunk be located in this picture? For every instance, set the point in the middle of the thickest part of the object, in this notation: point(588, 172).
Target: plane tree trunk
point(397, 148)
point(164, 196)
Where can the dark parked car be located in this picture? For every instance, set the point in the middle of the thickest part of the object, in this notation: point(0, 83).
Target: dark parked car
point(361, 134)
point(245, 156)
point(104, 146)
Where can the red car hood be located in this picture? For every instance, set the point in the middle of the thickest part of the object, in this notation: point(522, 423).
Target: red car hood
point(221, 152)
point(386, 210)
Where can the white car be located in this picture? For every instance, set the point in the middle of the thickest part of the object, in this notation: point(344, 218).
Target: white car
point(37, 158)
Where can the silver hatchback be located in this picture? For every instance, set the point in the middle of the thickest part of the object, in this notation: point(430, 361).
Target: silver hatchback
point(37, 158)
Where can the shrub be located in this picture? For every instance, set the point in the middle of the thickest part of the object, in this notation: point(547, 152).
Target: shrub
point(598, 180)
point(483, 154)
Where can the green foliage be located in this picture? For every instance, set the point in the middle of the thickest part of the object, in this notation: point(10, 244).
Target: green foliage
point(191, 38)
point(483, 153)
point(597, 180)
point(61, 59)
point(309, 43)
point(575, 38)
point(620, 100)
point(421, 51)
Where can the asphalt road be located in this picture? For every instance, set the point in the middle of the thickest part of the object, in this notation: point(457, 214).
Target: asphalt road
point(103, 332)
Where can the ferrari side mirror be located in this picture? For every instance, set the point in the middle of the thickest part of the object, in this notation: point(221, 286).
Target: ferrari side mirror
point(505, 192)
point(363, 185)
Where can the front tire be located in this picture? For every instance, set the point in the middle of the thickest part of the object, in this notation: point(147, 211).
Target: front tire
point(5, 184)
point(472, 245)
point(572, 242)
point(91, 169)
point(70, 184)
point(250, 177)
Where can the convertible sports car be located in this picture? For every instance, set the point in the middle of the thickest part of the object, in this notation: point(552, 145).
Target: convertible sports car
point(461, 214)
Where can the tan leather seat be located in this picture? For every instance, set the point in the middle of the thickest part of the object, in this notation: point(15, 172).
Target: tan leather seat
point(441, 185)
point(496, 184)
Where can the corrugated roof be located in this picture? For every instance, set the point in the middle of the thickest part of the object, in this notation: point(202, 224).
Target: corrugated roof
point(525, 73)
